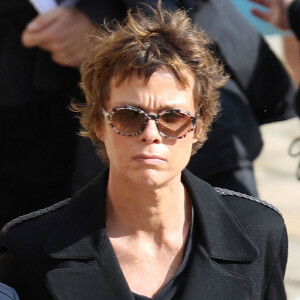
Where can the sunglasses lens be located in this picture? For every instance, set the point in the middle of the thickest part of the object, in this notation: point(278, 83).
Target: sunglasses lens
point(128, 121)
point(175, 124)
point(132, 121)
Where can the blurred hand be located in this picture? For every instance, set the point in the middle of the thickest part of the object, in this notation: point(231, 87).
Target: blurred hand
point(63, 32)
point(277, 14)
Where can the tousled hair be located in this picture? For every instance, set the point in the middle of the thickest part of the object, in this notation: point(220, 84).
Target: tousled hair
point(147, 41)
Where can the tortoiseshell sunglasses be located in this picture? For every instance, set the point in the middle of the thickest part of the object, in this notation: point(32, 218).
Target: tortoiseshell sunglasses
point(130, 121)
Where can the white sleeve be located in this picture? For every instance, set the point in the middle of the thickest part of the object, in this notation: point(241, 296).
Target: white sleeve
point(42, 6)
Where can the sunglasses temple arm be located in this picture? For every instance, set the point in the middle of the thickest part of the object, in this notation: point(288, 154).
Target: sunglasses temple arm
point(105, 113)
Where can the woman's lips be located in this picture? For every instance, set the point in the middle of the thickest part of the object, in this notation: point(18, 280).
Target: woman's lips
point(150, 159)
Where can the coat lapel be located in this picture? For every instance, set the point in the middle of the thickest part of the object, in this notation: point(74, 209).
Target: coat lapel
point(220, 241)
point(99, 279)
point(206, 279)
point(220, 233)
point(85, 266)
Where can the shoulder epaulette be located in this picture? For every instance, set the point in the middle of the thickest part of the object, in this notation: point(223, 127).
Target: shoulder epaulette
point(34, 214)
point(226, 192)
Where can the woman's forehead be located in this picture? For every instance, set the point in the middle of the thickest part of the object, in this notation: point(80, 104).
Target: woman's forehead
point(185, 79)
point(162, 90)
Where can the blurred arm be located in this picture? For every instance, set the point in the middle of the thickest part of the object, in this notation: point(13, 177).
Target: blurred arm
point(277, 13)
point(63, 32)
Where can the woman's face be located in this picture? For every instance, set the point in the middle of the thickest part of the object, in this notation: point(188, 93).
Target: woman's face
point(148, 159)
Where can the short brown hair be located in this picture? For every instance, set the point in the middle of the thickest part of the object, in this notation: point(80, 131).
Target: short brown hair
point(142, 44)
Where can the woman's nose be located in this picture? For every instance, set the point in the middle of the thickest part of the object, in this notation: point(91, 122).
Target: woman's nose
point(151, 134)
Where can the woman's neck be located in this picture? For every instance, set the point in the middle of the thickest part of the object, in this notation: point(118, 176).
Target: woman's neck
point(135, 210)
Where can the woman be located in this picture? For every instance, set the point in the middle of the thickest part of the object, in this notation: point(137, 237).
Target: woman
point(146, 228)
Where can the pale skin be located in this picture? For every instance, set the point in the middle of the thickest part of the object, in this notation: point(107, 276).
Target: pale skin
point(148, 208)
point(63, 32)
point(277, 13)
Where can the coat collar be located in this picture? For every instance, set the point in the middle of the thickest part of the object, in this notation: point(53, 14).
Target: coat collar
point(80, 232)
point(221, 234)
point(85, 260)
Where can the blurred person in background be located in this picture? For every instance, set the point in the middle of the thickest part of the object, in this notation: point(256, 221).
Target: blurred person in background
point(259, 91)
point(39, 59)
point(288, 49)
point(285, 15)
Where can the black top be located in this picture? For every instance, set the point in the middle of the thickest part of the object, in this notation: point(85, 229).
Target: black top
point(174, 286)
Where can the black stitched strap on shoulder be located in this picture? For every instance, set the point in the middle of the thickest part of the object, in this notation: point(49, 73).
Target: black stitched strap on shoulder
point(34, 214)
point(226, 192)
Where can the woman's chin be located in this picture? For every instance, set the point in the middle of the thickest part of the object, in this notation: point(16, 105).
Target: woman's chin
point(149, 177)
point(152, 178)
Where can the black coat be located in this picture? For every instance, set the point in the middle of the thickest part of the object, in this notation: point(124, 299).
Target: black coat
point(63, 251)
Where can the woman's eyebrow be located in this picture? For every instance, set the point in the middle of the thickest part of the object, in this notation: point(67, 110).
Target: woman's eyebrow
point(160, 108)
